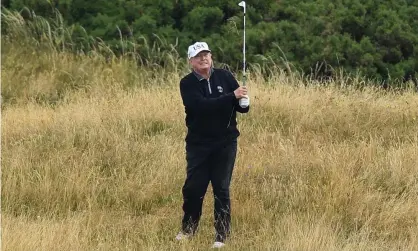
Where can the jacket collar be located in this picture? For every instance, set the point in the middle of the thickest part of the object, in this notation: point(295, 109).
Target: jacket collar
point(199, 77)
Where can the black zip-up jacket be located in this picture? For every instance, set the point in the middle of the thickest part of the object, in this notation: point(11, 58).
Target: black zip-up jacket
point(211, 106)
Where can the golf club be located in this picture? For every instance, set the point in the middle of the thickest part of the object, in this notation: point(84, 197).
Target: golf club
point(244, 102)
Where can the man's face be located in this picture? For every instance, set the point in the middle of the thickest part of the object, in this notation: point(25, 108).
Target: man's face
point(202, 61)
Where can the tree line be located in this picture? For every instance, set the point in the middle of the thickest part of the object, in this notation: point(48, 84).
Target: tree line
point(374, 38)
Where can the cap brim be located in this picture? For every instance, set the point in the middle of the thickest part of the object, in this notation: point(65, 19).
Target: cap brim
point(197, 52)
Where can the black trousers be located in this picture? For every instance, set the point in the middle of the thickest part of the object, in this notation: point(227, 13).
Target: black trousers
point(208, 163)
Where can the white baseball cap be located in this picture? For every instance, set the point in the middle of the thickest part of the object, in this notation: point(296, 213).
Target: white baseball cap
point(197, 47)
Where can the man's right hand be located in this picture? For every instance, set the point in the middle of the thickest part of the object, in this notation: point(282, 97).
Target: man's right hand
point(240, 92)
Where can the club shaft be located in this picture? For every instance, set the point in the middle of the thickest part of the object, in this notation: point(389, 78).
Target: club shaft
point(243, 51)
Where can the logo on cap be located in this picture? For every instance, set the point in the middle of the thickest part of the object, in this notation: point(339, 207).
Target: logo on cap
point(197, 47)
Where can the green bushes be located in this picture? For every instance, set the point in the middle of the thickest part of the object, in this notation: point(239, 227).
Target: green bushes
point(377, 39)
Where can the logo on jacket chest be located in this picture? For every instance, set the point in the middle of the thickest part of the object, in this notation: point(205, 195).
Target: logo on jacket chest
point(220, 89)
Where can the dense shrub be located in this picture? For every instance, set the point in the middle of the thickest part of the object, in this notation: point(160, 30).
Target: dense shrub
point(374, 38)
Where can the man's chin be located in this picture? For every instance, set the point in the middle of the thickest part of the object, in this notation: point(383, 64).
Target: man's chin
point(205, 67)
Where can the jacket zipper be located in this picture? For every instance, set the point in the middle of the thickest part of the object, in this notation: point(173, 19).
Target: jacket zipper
point(210, 89)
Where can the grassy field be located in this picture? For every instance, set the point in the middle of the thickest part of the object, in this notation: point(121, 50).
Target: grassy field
point(93, 159)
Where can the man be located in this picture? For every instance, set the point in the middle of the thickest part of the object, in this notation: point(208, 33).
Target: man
point(211, 99)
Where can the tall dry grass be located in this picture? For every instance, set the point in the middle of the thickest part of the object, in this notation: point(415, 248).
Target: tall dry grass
point(93, 159)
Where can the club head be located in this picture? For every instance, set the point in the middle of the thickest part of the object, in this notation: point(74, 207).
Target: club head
point(243, 5)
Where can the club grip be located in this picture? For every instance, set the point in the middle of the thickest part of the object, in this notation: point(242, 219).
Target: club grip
point(244, 102)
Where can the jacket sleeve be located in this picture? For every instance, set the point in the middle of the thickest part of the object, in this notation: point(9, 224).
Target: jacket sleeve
point(235, 85)
point(195, 101)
